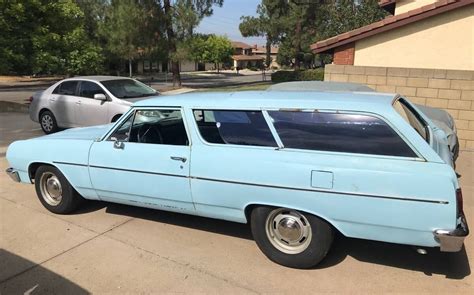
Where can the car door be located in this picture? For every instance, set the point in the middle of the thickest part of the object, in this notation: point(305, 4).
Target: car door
point(62, 102)
point(90, 111)
point(145, 161)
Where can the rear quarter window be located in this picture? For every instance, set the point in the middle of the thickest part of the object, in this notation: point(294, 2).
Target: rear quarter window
point(337, 132)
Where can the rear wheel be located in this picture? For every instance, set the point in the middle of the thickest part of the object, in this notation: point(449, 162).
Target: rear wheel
point(55, 192)
point(48, 122)
point(290, 237)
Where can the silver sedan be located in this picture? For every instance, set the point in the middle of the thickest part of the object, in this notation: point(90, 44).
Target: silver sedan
point(86, 101)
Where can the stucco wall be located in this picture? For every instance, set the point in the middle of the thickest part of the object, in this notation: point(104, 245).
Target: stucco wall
point(445, 41)
point(403, 6)
point(447, 89)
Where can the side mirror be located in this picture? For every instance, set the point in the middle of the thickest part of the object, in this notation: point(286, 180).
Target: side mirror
point(100, 96)
point(117, 143)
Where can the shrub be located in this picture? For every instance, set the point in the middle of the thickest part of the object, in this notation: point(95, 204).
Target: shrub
point(302, 75)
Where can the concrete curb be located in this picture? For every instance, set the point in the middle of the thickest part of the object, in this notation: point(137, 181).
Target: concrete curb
point(13, 107)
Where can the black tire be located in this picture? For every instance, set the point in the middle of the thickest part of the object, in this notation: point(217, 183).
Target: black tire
point(69, 199)
point(48, 122)
point(115, 118)
point(309, 254)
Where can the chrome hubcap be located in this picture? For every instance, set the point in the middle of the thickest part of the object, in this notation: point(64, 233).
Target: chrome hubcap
point(51, 189)
point(288, 230)
point(47, 122)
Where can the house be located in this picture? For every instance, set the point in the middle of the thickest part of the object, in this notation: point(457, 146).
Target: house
point(262, 51)
point(423, 50)
point(244, 57)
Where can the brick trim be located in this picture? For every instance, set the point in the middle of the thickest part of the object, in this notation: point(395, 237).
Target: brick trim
point(344, 55)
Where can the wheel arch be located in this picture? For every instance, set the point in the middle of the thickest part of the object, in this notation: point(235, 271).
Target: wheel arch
point(42, 111)
point(249, 207)
point(115, 118)
point(33, 167)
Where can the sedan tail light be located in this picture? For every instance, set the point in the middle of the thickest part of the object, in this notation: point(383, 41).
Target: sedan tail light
point(30, 99)
point(459, 202)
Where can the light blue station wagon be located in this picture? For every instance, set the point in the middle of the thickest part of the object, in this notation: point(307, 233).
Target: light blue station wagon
point(297, 166)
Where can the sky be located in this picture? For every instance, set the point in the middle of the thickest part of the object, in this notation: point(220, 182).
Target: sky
point(226, 20)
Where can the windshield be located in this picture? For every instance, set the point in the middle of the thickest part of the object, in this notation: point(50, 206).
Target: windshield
point(128, 88)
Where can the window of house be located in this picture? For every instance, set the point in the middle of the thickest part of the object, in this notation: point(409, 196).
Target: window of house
point(336, 132)
point(234, 127)
point(153, 126)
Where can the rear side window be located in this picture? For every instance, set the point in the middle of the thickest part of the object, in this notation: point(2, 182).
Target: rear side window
point(234, 127)
point(66, 88)
point(335, 132)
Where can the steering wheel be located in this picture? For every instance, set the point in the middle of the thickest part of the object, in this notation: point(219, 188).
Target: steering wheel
point(149, 134)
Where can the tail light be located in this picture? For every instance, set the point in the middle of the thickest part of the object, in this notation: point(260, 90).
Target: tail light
point(30, 99)
point(459, 202)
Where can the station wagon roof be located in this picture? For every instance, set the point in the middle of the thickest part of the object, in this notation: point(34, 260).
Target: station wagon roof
point(358, 101)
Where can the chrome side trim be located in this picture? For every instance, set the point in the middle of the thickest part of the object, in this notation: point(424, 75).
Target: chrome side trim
point(442, 202)
point(323, 191)
point(452, 240)
point(13, 174)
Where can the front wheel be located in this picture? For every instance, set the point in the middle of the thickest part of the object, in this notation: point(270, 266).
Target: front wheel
point(290, 237)
point(54, 191)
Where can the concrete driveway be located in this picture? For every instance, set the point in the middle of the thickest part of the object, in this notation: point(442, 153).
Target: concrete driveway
point(109, 248)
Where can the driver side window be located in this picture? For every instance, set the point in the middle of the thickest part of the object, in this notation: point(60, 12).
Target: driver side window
point(153, 126)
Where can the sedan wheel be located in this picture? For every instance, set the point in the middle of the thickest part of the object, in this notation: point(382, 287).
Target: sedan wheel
point(48, 122)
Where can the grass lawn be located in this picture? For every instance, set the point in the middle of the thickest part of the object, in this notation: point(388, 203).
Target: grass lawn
point(251, 87)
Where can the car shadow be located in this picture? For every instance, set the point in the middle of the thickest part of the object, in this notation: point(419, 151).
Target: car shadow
point(22, 276)
point(451, 265)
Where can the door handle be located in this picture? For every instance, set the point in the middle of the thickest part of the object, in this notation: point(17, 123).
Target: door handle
point(78, 102)
point(52, 99)
point(182, 159)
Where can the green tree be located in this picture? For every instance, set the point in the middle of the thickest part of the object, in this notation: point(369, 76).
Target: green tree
point(41, 36)
point(296, 24)
point(180, 26)
point(209, 48)
point(121, 28)
point(268, 24)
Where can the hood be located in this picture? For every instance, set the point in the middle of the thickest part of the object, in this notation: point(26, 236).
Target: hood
point(85, 133)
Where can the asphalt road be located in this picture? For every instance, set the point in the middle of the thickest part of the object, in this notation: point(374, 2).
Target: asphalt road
point(20, 94)
point(109, 248)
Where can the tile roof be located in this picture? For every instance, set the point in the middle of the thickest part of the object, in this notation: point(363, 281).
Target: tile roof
point(389, 23)
point(263, 50)
point(238, 44)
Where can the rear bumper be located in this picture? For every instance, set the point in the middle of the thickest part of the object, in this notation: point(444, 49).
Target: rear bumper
point(452, 240)
point(13, 174)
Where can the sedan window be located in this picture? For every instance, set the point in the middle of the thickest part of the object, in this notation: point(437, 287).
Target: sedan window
point(67, 88)
point(336, 132)
point(89, 89)
point(128, 88)
point(234, 127)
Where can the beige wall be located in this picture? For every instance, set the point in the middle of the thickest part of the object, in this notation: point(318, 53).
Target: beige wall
point(403, 6)
point(445, 41)
point(446, 89)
